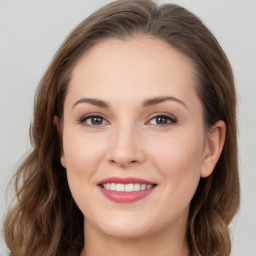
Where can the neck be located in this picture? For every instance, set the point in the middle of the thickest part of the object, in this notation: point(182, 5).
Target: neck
point(161, 244)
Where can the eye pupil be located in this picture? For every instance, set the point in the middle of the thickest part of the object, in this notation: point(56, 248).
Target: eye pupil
point(161, 120)
point(96, 120)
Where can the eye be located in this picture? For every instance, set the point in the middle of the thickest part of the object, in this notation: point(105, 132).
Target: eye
point(93, 120)
point(162, 120)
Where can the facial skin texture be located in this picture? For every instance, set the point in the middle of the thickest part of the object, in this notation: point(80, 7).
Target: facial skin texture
point(129, 143)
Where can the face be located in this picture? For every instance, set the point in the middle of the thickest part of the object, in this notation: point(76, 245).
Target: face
point(134, 143)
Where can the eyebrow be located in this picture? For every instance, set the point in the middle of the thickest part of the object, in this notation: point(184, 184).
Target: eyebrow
point(157, 100)
point(95, 102)
point(146, 103)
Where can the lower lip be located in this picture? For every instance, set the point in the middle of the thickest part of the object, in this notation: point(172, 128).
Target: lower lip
point(125, 197)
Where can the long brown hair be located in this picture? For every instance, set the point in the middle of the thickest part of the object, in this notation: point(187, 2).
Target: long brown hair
point(45, 219)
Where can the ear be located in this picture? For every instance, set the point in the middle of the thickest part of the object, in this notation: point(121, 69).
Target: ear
point(214, 144)
point(56, 121)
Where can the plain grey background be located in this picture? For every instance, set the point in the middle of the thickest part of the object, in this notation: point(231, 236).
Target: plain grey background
point(30, 34)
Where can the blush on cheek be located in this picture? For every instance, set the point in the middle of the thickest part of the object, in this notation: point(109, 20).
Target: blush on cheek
point(181, 163)
point(82, 156)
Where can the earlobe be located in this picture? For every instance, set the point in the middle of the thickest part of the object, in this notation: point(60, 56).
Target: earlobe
point(56, 122)
point(63, 161)
point(215, 142)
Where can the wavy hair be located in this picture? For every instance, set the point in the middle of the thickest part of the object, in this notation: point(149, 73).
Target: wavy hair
point(44, 220)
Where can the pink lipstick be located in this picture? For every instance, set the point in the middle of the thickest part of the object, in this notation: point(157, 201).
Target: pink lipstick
point(125, 190)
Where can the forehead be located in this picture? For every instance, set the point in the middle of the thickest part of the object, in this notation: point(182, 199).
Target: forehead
point(138, 67)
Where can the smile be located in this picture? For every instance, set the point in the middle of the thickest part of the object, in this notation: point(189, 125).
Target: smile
point(125, 190)
point(126, 187)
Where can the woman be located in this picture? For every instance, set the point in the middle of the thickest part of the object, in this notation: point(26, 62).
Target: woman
point(134, 143)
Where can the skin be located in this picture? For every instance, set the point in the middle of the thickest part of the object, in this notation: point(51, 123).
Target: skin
point(129, 142)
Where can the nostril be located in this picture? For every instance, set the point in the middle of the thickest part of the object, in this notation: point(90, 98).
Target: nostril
point(112, 161)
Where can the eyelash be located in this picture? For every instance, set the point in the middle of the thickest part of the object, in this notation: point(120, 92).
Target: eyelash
point(170, 120)
point(91, 116)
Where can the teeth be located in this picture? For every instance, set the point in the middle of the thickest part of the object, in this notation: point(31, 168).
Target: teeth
point(112, 186)
point(143, 187)
point(136, 187)
point(119, 187)
point(126, 187)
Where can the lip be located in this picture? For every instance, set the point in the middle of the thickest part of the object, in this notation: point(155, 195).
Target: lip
point(125, 197)
point(125, 180)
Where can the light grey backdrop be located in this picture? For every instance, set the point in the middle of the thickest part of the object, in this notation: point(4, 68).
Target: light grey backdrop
point(30, 33)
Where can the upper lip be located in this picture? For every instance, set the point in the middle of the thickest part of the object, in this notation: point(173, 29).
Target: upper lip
point(125, 180)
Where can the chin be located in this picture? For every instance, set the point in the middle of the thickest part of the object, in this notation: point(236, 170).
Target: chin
point(126, 227)
point(126, 232)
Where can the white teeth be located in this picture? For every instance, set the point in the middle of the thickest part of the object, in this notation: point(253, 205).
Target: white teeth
point(126, 187)
point(112, 186)
point(149, 186)
point(136, 187)
point(143, 187)
point(120, 187)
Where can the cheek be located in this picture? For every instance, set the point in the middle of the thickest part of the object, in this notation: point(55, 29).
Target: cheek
point(81, 153)
point(82, 157)
point(182, 151)
point(179, 159)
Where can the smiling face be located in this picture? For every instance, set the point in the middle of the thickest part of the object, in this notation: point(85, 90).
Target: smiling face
point(132, 116)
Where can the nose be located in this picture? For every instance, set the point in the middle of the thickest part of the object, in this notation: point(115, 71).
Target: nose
point(126, 148)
